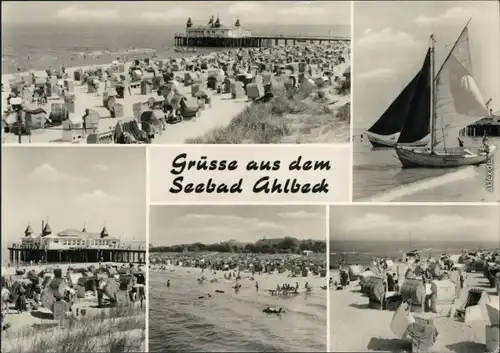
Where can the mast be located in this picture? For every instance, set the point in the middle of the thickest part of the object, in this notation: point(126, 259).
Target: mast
point(433, 86)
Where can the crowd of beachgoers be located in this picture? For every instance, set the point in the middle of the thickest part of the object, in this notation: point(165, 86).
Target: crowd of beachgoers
point(445, 297)
point(37, 297)
point(297, 265)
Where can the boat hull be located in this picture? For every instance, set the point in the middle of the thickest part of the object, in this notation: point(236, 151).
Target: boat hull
point(422, 158)
point(390, 141)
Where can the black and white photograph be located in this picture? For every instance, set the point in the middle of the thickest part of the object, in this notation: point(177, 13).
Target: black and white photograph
point(73, 249)
point(144, 72)
point(427, 101)
point(414, 278)
point(238, 279)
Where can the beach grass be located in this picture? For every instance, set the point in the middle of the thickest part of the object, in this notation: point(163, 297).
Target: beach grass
point(117, 330)
point(303, 115)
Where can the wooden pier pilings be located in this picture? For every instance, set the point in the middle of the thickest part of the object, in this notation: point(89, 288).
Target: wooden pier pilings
point(182, 40)
point(489, 126)
point(25, 255)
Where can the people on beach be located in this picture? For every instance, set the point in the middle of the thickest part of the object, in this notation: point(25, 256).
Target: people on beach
point(5, 298)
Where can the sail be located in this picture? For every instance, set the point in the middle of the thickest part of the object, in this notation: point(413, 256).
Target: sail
point(417, 123)
point(393, 119)
point(458, 100)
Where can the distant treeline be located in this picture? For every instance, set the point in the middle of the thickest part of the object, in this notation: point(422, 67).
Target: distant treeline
point(287, 245)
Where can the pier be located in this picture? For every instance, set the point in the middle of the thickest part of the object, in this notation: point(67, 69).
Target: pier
point(182, 40)
point(489, 126)
point(22, 254)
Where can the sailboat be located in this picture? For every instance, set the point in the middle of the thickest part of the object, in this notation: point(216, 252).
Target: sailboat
point(455, 99)
point(404, 122)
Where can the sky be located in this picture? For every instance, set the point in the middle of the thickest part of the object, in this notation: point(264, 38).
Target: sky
point(177, 12)
point(71, 187)
point(175, 225)
point(391, 39)
point(393, 222)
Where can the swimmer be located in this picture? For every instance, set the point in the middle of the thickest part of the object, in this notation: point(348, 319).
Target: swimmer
point(270, 310)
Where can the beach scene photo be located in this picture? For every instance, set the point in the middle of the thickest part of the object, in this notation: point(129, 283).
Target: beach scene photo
point(427, 101)
point(73, 250)
point(414, 278)
point(218, 72)
point(237, 279)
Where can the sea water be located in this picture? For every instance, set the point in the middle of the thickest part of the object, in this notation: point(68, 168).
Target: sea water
point(233, 322)
point(38, 46)
point(378, 176)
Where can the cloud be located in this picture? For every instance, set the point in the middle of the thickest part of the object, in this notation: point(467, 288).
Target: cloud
point(301, 215)
point(245, 8)
point(76, 13)
point(376, 74)
point(428, 225)
point(101, 167)
point(450, 15)
point(177, 13)
point(95, 197)
point(386, 37)
point(233, 222)
point(46, 172)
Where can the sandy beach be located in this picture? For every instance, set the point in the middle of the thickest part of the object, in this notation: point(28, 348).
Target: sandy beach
point(86, 326)
point(219, 115)
point(373, 331)
point(414, 279)
point(300, 94)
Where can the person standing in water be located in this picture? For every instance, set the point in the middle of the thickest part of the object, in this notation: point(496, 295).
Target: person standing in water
point(168, 283)
point(257, 286)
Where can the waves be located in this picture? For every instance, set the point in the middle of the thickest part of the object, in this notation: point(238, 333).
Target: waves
point(420, 185)
point(180, 321)
point(378, 176)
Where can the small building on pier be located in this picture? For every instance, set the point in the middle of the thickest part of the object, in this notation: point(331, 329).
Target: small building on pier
point(216, 34)
point(489, 126)
point(216, 29)
point(72, 246)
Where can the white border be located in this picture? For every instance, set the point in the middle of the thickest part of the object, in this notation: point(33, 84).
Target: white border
point(148, 288)
point(351, 185)
point(327, 277)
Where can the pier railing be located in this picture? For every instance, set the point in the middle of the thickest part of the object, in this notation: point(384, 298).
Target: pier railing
point(273, 36)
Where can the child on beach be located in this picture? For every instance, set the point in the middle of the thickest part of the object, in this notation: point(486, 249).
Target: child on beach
point(5, 298)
